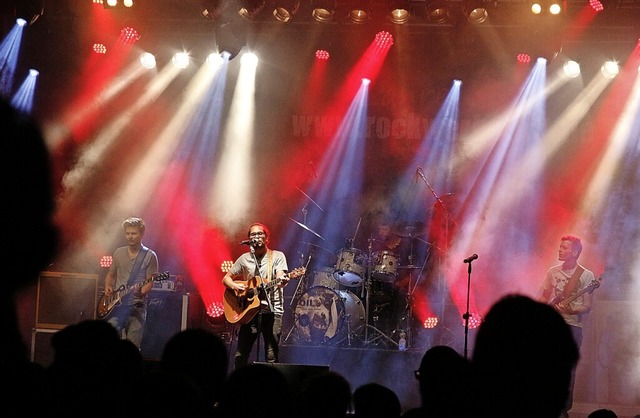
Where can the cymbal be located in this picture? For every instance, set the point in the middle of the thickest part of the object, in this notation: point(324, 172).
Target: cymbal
point(308, 229)
point(409, 229)
point(317, 246)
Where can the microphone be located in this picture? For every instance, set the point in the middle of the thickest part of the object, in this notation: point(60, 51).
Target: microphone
point(471, 258)
point(246, 242)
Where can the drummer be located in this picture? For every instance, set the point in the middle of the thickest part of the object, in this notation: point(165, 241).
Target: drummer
point(383, 237)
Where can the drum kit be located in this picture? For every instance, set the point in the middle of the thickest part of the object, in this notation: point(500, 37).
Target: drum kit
point(344, 303)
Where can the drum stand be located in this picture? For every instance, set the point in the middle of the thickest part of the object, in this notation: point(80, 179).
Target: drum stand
point(377, 334)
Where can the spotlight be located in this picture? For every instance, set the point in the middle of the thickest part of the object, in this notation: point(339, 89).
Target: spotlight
point(180, 59)
point(596, 5)
point(438, 12)
point(571, 69)
point(215, 60)
point(147, 60)
point(430, 322)
point(399, 12)
point(322, 55)
point(610, 69)
point(118, 4)
point(359, 12)
point(543, 6)
point(475, 11)
point(284, 10)
point(323, 10)
point(249, 9)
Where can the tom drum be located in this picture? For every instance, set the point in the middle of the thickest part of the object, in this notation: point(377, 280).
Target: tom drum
point(350, 267)
point(385, 268)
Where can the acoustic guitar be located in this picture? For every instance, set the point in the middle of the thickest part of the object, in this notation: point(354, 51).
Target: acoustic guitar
point(241, 306)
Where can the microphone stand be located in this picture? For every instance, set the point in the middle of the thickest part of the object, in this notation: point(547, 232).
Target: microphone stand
point(465, 316)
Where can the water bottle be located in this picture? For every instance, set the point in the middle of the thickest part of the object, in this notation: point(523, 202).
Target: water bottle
point(402, 341)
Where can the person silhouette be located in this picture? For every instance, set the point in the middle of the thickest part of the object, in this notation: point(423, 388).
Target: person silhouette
point(375, 400)
point(523, 358)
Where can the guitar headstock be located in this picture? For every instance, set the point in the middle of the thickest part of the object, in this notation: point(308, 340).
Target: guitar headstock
point(595, 284)
point(297, 272)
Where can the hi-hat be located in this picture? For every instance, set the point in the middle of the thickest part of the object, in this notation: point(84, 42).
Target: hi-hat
point(308, 229)
point(409, 229)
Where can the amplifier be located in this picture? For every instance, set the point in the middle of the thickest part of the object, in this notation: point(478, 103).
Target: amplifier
point(65, 298)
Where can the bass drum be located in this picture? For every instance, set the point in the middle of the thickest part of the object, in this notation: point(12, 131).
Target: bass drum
point(326, 316)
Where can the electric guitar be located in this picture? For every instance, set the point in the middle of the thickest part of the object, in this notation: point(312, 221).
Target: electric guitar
point(560, 300)
point(107, 303)
point(241, 306)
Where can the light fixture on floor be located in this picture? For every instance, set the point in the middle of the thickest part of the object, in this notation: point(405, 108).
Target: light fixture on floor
point(360, 10)
point(475, 11)
point(249, 9)
point(438, 12)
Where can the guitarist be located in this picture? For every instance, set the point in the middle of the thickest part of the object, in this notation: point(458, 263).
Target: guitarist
point(271, 265)
point(561, 282)
point(132, 263)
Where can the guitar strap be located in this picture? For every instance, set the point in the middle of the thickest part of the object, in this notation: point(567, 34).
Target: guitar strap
point(136, 265)
point(573, 280)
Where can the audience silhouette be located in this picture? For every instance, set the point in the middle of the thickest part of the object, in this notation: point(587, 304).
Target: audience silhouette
point(255, 390)
point(602, 413)
point(523, 358)
point(326, 394)
point(443, 380)
point(374, 400)
point(26, 217)
point(199, 355)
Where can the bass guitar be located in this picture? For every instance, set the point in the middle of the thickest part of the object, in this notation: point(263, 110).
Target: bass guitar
point(562, 301)
point(241, 306)
point(107, 303)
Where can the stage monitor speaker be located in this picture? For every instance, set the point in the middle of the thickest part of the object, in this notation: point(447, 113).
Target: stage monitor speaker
point(41, 349)
point(296, 374)
point(65, 298)
point(166, 316)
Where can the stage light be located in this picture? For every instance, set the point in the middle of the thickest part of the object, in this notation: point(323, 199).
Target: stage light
point(430, 323)
point(399, 11)
point(226, 265)
point(285, 10)
point(571, 69)
point(249, 59)
point(34, 73)
point(610, 69)
point(106, 261)
point(523, 58)
point(475, 320)
point(475, 11)
point(21, 22)
point(148, 60)
point(546, 6)
point(99, 48)
point(213, 9)
point(438, 12)
point(324, 10)
point(596, 5)
point(180, 60)
point(384, 39)
point(251, 8)
point(129, 35)
point(321, 54)
point(215, 60)
point(122, 4)
point(359, 12)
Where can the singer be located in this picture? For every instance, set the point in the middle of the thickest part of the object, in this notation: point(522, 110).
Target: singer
point(267, 265)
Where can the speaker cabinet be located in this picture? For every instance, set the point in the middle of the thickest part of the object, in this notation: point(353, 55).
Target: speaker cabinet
point(65, 298)
point(166, 316)
point(41, 349)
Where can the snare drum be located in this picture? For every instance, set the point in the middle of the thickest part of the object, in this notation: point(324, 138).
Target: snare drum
point(325, 315)
point(350, 267)
point(386, 266)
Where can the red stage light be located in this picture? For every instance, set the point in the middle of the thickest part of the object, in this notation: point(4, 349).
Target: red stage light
point(523, 58)
point(129, 35)
point(321, 54)
point(384, 39)
point(106, 261)
point(596, 5)
point(99, 49)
